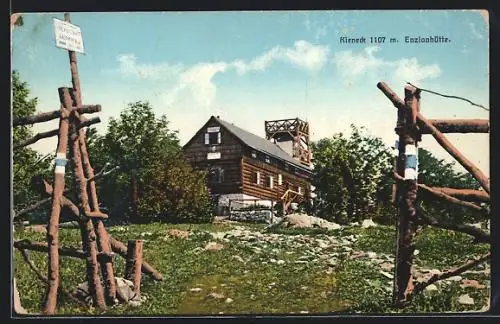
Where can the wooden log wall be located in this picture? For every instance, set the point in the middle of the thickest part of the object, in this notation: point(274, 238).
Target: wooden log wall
point(262, 190)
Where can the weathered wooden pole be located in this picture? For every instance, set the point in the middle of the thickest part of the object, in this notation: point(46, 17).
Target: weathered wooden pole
point(53, 226)
point(440, 138)
point(457, 126)
point(87, 229)
point(102, 235)
point(407, 167)
point(133, 264)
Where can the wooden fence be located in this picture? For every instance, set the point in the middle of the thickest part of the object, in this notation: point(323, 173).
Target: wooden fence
point(411, 124)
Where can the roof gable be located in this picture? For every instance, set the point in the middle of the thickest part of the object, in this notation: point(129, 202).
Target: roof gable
point(260, 144)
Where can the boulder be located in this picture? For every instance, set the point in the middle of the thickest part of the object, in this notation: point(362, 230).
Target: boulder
point(306, 221)
point(368, 223)
point(213, 246)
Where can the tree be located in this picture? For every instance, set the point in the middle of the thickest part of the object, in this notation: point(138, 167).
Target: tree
point(146, 151)
point(26, 162)
point(177, 193)
point(351, 175)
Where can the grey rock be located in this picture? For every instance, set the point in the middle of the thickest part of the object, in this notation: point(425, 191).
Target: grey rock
point(466, 300)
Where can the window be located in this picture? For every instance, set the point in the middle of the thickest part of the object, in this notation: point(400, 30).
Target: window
point(212, 136)
point(280, 179)
point(254, 154)
point(216, 175)
point(220, 175)
point(299, 190)
point(270, 182)
point(268, 160)
point(257, 177)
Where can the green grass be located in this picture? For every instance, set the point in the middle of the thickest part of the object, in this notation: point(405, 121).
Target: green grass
point(352, 286)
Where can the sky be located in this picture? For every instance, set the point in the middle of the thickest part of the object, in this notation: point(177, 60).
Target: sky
point(248, 67)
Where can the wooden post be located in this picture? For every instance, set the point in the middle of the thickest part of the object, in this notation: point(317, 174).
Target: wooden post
point(133, 264)
point(122, 250)
point(407, 194)
point(440, 138)
point(87, 228)
point(53, 226)
point(102, 235)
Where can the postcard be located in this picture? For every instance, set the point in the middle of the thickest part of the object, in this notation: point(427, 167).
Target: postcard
point(250, 163)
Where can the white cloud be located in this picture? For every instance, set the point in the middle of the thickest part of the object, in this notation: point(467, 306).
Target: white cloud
point(411, 70)
point(306, 55)
point(351, 65)
point(303, 54)
point(129, 67)
point(197, 81)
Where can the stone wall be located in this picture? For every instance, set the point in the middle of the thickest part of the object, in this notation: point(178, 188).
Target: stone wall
point(254, 216)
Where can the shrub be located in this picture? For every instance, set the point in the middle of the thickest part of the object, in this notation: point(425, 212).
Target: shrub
point(176, 193)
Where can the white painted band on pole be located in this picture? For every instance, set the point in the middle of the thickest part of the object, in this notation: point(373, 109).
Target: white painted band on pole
point(411, 174)
point(60, 155)
point(60, 169)
point(410, 149)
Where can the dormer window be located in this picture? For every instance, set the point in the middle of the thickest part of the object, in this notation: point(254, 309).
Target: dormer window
point(267, 159)
point(254, 154)
point(212, 136)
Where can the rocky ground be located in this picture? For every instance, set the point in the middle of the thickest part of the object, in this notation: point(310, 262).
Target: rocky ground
point(241, 268)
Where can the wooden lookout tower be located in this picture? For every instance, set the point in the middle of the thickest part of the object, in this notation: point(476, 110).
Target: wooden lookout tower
point(292, 135)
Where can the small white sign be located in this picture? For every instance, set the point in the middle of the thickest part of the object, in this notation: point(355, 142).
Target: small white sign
point(68, 36)
point(213, 156)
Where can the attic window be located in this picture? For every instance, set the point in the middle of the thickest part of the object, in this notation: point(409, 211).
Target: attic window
point(268, 160)
point(212, 136)
point(254, 154)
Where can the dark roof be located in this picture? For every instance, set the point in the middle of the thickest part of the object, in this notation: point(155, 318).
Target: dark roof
point(261, 144)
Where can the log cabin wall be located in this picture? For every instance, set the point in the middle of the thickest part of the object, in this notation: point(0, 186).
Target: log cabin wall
point(251, 166)
point(202, 156)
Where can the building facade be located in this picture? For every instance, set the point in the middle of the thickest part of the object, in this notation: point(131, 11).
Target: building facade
point(244, 168)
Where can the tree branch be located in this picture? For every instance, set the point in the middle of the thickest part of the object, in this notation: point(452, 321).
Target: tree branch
point(53, 132)
point(443, 196)
point(479, 235)
point(419, 286)
point(45, 280)
point(46, 116)
point(49, 193)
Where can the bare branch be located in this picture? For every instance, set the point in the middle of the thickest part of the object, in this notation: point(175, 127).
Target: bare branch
point(45, 280)
point(419, 286)
point(43, 117)
point(480, 235)
point(53, 132)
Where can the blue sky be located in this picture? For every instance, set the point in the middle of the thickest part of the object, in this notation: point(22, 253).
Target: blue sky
point(248, 67)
